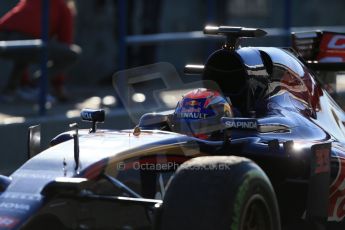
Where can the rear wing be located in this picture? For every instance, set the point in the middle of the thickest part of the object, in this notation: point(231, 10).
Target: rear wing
point(322, 50)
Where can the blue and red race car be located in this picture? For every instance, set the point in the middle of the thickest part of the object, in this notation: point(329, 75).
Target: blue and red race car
point(276, 161)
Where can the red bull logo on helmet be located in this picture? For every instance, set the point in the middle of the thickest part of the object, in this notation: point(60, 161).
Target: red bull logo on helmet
point(192, 103)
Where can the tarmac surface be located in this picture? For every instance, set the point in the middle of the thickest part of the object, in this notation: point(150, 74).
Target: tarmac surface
point(17, 116)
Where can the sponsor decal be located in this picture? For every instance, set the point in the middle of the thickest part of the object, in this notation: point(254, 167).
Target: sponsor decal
point(332, 48)
point(241, 123)
point(14, 206)
point(7, 222)
point(192, 115)
point(86, 115)
point(38, 174)
point(332, 41)
point(21, 196)
point(337, 42)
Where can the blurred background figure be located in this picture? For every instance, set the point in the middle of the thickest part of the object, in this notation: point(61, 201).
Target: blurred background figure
point(23, 22)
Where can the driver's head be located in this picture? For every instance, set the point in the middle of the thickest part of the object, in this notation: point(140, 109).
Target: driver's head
point(198, 113)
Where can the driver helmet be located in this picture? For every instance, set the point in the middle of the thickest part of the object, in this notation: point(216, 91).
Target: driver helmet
point(199, 111)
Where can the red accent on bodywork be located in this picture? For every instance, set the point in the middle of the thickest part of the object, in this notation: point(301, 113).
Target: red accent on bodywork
point(322, 161)
point(8, 222)
point(94, 170)
point(337, 194)
point(202, 136)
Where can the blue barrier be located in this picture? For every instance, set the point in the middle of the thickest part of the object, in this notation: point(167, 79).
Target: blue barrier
point(122, 33)
point(287, 21)
point(44, 58)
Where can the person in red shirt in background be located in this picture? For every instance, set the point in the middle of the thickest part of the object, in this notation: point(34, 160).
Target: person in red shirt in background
point(24, 22)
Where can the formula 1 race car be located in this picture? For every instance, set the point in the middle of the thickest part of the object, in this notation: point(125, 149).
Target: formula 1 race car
point(275, 160)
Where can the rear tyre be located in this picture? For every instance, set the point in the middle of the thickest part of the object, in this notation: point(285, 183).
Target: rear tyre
point(219, 193)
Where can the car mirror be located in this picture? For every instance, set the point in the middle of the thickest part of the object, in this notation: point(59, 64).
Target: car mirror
point(93, 115)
